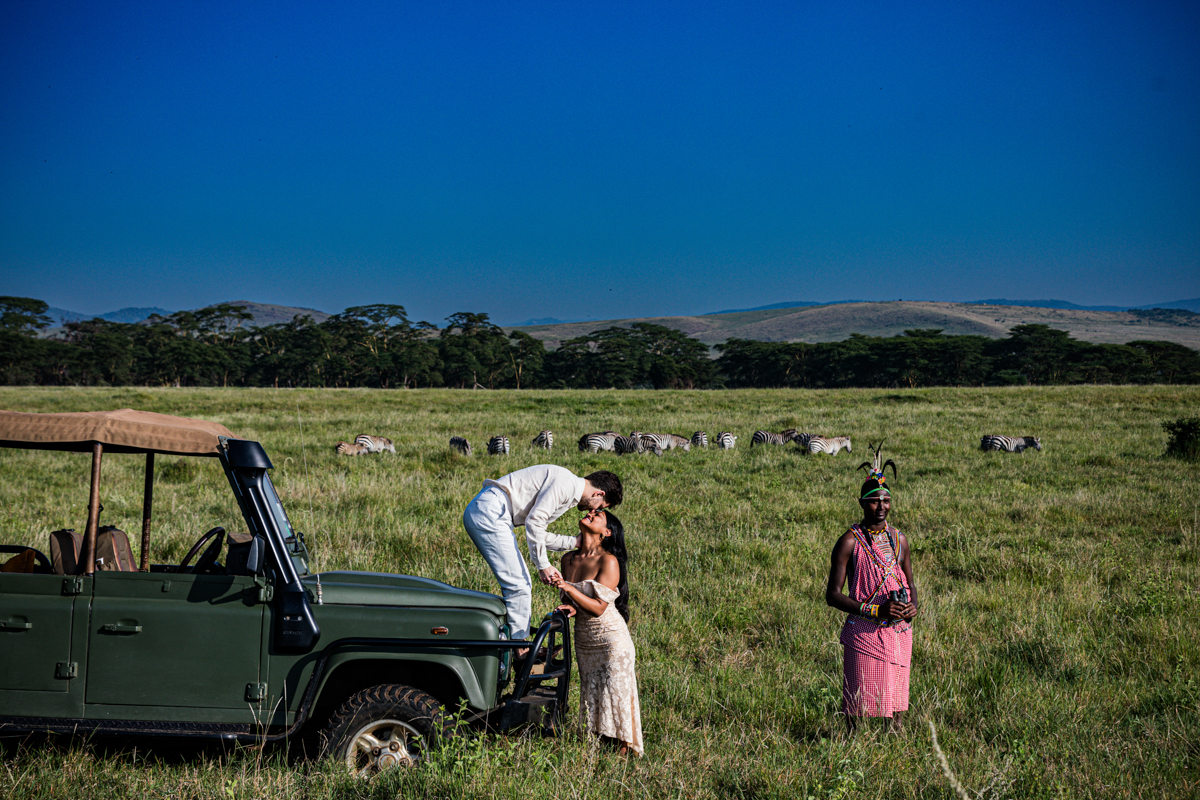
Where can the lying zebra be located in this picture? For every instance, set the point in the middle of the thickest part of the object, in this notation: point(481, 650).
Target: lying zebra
point(832, 446)
point(1012, 444)
point(350, 449)
point(375, 444)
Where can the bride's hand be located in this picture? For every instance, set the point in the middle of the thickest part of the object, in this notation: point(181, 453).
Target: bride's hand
point(570, 610)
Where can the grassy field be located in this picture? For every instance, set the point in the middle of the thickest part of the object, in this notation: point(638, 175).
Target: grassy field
point(1054, 651)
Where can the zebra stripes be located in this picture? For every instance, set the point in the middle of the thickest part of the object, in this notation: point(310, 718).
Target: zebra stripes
point(350, 449)
point(664, 441)
point(375, 444)
point(1012, 444)
point(545, 440)
point(461, 445)
point(767, 437)
point(595, 442)
point(832, 446)
point(699, 439)
point(641, 443)
point(726, 440)
point(498, 446)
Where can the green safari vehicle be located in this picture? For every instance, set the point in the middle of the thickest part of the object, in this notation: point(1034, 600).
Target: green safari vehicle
point(240, 640)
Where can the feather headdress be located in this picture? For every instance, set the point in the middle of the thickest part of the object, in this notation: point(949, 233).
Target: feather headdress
point(875, 471)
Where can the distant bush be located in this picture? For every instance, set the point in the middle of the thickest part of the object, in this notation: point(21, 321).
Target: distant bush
point(1185, 438)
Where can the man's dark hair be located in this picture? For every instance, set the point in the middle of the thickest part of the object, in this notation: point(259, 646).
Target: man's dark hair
point(608, 483)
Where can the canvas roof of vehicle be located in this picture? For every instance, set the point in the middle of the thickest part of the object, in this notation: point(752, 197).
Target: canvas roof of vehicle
point(122, 431)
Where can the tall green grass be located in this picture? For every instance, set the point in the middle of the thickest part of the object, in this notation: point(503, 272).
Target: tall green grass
point(1056, 650)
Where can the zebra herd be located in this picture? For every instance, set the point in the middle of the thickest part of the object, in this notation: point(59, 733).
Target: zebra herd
point(659, 443)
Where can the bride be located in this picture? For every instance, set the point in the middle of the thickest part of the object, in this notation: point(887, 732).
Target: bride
point(595, 584)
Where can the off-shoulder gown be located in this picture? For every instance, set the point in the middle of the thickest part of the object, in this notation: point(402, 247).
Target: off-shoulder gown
point(608, 696)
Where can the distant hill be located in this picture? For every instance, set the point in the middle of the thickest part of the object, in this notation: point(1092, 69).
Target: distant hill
point(1186, 305)
point(267, 314)
point(264, 314)
point(61, 316)
point(835, 322)
point(1045, 304)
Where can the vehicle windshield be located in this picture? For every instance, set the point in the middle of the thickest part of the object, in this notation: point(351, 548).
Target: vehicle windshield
point(295, 544)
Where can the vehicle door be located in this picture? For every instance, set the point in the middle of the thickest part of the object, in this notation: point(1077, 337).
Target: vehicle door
point(165, 639)
point(36, 615)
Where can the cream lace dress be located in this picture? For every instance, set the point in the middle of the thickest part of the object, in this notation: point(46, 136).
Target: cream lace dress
point(608, 696)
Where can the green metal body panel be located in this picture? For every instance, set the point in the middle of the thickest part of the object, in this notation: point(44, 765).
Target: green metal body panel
point(477, 670)
point(35, 632)
point(180, 640)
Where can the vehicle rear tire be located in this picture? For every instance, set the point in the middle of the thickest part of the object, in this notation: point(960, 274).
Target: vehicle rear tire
point(385, 726)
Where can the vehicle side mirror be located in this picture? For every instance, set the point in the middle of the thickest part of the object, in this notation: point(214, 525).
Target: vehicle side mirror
point(255, 556)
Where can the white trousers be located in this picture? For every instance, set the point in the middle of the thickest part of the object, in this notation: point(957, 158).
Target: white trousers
point(488, 521)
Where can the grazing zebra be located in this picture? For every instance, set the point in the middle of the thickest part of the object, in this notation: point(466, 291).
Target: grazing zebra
point(636, 444)
point(375, 444)
point(699, 439)
point(726, 440)
point(678, 441)
point(664, 441)
point(595, 442)
point(766, 437)
point(349, 449)
point(498, 446)
point(832, 446)
point(544, 439)
point(461, 445)
point(1013, 444)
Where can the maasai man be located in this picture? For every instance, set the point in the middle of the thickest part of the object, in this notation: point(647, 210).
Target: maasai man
point(877, 636)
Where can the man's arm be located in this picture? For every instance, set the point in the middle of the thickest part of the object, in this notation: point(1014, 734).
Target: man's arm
point(906, 565)
point(552, 497)
point(838, 561)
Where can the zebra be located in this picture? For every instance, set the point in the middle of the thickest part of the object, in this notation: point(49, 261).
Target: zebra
point(766, 437)
point(498, 446)
point(832, 446)
point(595, 442)
point(726, 440)
point(1013, 444)
point(461, 445)
point(664, 441)
point(678, 441)
point(544, 439)
point(699, 439)
point(636, 444)
point(375, 444)
point(349, 449)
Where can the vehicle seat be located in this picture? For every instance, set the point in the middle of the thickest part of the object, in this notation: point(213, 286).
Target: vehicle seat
point(113, 552)
point(23, 562)
point(243, 554)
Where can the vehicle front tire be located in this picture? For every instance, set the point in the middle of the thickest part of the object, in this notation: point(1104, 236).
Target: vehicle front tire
point(385, 726)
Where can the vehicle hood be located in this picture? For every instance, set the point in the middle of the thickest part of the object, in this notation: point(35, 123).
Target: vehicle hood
point(386, 589)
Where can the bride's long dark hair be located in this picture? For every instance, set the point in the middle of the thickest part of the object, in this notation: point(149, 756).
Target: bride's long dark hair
point(615, 545)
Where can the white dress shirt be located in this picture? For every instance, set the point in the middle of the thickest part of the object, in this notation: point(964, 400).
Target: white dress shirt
point(538, 496)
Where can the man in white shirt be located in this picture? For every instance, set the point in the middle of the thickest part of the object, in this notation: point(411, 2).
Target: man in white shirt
point(533, 497)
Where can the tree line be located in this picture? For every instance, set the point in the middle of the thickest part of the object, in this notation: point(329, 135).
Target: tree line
point(378, 346)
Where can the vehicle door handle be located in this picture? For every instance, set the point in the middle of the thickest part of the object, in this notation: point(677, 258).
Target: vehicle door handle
point(120, 627)
point(9, 625)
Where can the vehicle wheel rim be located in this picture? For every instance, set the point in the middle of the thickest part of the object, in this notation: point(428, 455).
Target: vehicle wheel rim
point(383, 744)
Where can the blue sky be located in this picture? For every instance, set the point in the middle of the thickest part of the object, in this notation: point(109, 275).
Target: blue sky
point(576, 161)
